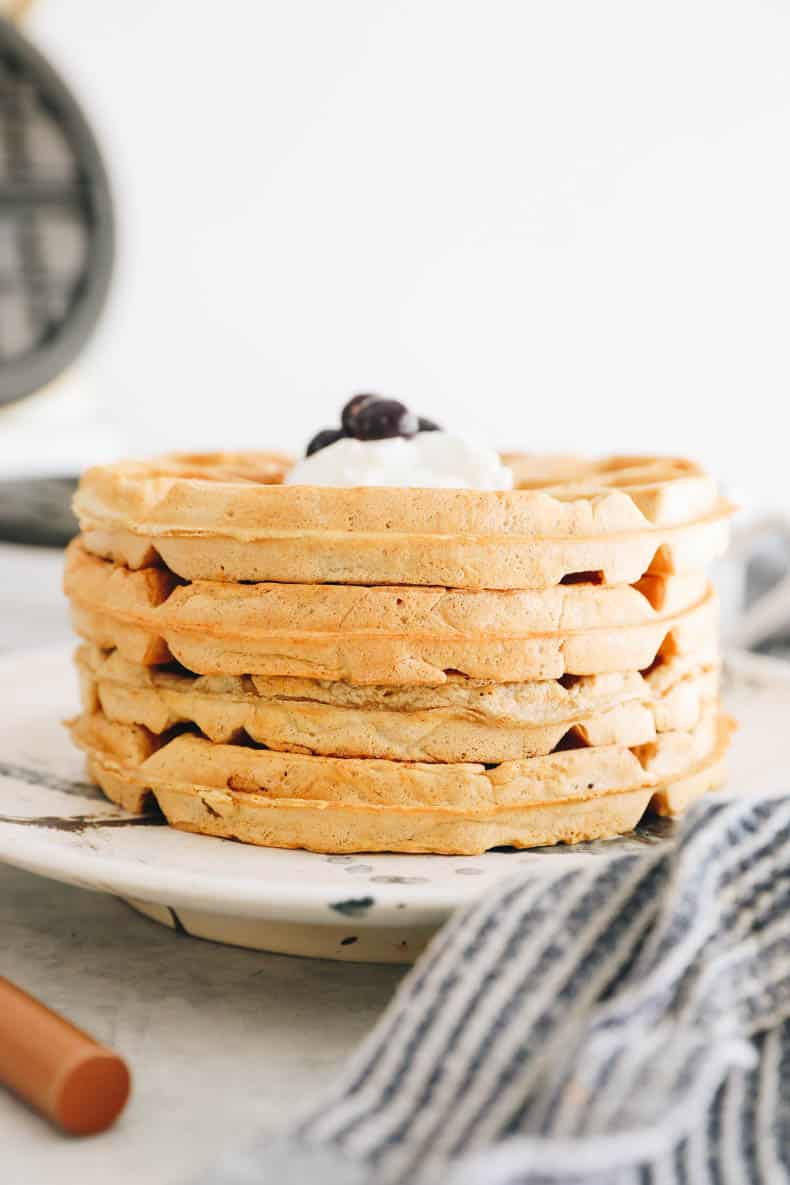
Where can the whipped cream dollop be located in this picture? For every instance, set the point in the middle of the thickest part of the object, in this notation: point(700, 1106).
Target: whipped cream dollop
point(429, 460)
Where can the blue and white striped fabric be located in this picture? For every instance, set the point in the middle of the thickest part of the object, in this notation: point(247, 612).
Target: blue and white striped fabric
point(622, 1021)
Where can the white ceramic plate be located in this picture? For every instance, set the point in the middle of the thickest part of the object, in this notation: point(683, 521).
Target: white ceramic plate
point(371, 908)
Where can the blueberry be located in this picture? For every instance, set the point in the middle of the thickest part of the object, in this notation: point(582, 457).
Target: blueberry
point(381, 419)
point(323, 439)
point(348, 416)
point(427, 425)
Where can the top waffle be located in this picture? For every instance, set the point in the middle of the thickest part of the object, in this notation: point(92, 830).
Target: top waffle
point(228, 517)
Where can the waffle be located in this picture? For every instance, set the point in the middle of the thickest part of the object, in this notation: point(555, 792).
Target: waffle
point(226, 517)
point(312, 718)
point(384, 635)
point(346, 804)
point(374, 669)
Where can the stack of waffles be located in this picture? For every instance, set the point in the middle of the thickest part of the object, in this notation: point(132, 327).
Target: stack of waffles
point(393, 669)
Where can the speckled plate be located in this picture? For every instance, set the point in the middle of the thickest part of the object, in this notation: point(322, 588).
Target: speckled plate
point(367, 908)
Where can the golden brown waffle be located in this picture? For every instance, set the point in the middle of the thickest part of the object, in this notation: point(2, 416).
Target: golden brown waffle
point(344, 804)
point(426, 670)
point(459, 561)
point(225, 517)
point(384, 635)
point(311, 717)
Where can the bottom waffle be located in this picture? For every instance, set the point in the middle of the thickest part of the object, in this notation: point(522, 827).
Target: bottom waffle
point(330, 804)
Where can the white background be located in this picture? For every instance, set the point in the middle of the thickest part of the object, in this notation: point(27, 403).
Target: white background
point(560, 224)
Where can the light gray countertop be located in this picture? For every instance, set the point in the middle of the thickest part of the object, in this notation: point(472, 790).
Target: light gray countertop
point(221, 1041)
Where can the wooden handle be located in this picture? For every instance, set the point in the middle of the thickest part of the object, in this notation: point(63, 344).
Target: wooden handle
point(61, 1071)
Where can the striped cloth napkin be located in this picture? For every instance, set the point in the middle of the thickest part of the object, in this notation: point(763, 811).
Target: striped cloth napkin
point(622, 1021)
